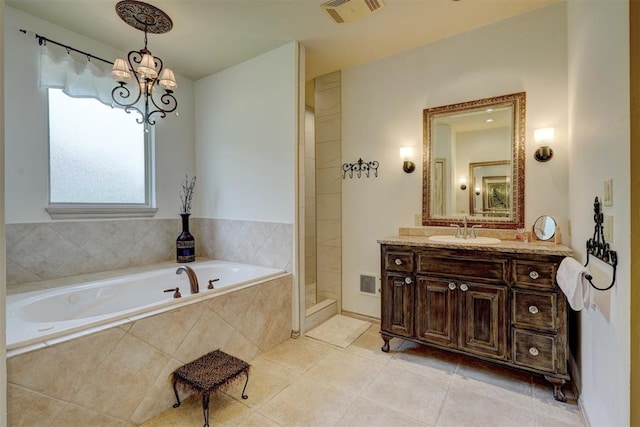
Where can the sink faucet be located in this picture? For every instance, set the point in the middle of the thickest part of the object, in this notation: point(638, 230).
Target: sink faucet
point(193, 279)
point(464, 232)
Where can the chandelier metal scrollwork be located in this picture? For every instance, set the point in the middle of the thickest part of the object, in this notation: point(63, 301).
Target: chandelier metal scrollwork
point(148, 71)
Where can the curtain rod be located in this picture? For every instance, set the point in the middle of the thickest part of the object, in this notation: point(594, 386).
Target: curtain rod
point(45, 40)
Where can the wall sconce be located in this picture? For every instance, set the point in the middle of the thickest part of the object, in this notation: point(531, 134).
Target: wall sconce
point(406, 154)
point(543, 137)
point(477, 191)
point(463, 183)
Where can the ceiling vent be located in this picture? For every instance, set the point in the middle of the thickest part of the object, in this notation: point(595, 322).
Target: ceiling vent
point(349, 10)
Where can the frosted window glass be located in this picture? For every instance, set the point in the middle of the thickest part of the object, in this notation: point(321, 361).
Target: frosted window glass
point(96, 153)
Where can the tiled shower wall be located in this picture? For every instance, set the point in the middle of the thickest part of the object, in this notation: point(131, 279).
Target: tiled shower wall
point(44, 251)
point(328, 125)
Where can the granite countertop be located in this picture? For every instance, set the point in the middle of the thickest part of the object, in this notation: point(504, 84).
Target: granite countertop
point(511, 246)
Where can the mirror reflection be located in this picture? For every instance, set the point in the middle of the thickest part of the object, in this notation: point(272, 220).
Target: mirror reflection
point(474, 162)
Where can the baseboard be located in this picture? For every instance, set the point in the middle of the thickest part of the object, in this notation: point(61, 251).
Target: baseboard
point(358, 316)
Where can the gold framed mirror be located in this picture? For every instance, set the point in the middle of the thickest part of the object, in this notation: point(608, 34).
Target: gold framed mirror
point(474, 162)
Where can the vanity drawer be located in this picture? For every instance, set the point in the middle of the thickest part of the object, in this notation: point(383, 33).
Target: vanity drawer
point(535, 351)
point(476, 269)
point(537, 274)
point(398, 261)
point(537, 310)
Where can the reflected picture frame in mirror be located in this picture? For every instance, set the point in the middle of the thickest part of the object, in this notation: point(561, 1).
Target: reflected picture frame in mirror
point(443, 200)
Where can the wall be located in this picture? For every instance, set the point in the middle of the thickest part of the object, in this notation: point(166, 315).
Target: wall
point(598, 41)
point(382, 107)
point(246, 123)
point(3, 371)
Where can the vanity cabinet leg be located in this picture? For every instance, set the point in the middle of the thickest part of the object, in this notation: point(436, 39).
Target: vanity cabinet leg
point(558, 394)
point(385, 347)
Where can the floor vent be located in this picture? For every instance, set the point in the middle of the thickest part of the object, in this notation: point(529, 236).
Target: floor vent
point(349, 10)
point(368, 284)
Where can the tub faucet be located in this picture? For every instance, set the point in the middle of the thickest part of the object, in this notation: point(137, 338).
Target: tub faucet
point(193, 279)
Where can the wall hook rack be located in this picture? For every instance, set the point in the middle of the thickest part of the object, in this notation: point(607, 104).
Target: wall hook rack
point(599, 248)
point(359, 167)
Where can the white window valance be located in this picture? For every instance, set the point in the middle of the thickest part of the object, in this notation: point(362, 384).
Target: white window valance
point(78, 78)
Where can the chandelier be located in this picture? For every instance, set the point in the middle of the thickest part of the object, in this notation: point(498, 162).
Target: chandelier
point(147, 70)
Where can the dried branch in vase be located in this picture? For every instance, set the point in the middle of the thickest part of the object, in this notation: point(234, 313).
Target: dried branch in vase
point(186, 194)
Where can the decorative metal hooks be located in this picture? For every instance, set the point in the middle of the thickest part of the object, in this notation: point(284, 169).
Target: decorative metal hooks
point(599, 248)
point(359, 167)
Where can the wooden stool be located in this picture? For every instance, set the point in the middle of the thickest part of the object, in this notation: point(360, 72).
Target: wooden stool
point(207, 374)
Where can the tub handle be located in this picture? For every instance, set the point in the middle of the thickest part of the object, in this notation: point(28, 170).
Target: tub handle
point(176, 292)
point(211, 283)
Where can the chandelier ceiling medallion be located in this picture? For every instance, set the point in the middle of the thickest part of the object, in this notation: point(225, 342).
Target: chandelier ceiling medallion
point(148, 70)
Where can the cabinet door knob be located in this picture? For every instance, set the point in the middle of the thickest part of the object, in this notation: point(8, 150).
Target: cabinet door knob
point(452, 286)
point(533, 351)
point(533, 309)
point(398, 261)
point(464, 287)
point(534, 275)
point(408, 280)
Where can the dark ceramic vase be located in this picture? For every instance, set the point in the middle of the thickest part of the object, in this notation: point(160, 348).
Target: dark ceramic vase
point(185, 243)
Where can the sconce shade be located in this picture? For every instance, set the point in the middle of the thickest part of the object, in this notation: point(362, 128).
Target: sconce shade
point(120, 70)
point(463, 183)
point(167, 79)
point(147, 67)
point(406, 153)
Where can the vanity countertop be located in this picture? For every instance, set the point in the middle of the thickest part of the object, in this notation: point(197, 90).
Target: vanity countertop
point(511, 246)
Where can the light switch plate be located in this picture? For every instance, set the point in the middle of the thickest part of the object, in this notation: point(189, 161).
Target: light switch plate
point(608, 193)
point(608, 228)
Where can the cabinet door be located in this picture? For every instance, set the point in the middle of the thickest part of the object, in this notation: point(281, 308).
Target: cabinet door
point(436, 308)
point(397, 304)
point(483, 321)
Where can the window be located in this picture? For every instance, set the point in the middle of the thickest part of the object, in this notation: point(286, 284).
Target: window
point(99, 160)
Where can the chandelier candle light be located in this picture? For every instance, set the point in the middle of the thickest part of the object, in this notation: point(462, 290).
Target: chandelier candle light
point(141, 64)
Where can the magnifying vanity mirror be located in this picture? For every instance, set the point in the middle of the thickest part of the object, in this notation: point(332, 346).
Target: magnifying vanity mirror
point(545, 227)
point(474, 162)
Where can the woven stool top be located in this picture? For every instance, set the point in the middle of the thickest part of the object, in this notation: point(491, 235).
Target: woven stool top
point(210, 372)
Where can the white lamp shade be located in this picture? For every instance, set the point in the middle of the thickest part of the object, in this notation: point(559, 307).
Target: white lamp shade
point(406, 153)
point(120, 70)
point(168, 80)
point(543, 136)
point(147, 67)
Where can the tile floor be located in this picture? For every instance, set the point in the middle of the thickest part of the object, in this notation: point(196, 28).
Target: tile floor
point(304, 382)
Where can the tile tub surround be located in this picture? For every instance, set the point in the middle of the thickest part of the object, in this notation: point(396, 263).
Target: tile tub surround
point(50, 250)
point(119, 376)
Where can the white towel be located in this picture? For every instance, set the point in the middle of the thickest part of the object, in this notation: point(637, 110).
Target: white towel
point(575, 286)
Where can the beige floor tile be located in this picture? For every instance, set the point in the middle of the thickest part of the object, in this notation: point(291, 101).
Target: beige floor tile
point(266, 379)
point(258, 420)
point(404, 391)
point(308, 402)
point(421, 359)
point(464, 407)
point(565, 412)
point(299, 354)
point(491, 373)
point(365, 413)
point(369, 345)
point(546, 421)
point(511, 395)
point(345, 371)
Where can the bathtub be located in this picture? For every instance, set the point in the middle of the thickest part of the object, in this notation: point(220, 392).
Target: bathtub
point(40, 318)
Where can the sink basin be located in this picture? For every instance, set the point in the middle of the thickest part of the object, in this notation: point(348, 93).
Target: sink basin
point(458, 241)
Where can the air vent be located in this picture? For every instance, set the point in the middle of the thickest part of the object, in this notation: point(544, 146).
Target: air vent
point(368, 284)
point(342, 11)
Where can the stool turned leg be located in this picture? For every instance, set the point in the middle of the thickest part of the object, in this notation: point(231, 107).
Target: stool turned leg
point(205, 409)
point(244, 396)
point(175, 390)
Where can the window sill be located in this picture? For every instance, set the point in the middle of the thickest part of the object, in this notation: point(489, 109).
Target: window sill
point(84, 212)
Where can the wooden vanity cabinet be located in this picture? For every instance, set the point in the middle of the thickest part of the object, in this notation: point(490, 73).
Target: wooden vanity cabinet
point(497, 306)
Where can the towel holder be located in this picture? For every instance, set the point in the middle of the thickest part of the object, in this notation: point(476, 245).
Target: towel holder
point(599, 248)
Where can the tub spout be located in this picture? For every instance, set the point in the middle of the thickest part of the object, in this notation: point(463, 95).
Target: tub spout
point(193, 279)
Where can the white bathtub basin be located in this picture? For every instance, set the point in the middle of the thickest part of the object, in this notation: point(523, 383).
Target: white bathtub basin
point(480, 241)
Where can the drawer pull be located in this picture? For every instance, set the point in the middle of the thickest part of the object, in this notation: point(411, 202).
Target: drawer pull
point(464, 287)
point(398, 261)
point(408, 280)
point(533, 351)
point(452, 286)
point(533, 309)
point(534, 275)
